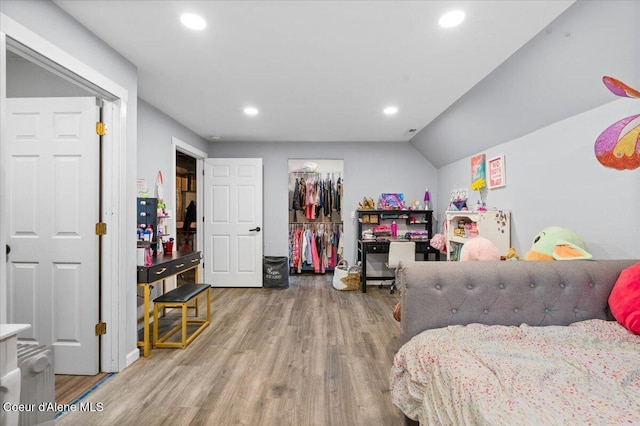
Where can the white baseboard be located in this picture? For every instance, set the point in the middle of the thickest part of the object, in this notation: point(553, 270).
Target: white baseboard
point(132, 356)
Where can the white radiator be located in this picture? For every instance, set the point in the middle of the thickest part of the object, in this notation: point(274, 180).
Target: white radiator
point(38, 384)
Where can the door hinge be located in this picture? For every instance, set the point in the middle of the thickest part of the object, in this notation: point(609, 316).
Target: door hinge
point(101, 228)
point(101, 328)
point(101, 128)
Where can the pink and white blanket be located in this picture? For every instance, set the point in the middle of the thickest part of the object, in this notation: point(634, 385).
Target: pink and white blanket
point(585, 373)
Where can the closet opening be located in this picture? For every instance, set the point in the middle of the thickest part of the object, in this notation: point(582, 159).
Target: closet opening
point(316, 190)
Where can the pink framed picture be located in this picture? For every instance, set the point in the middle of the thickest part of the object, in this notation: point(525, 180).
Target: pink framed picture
point(496, 171)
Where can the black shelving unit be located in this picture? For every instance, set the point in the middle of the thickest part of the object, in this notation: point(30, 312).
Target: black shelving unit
point(148, 216)
point(412, 218)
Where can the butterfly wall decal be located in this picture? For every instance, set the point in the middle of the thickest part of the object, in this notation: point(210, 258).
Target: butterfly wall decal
point(618, 146)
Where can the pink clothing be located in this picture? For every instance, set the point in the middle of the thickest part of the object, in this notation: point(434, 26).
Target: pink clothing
point(311, 192)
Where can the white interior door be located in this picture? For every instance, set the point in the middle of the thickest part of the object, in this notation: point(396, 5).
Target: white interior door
point(52, 165)
point(232, 222)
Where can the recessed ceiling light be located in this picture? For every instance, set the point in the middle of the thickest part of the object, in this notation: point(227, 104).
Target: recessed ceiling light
point(251, 111)
point(451, 19)
point(193, 21)
point(390, 110)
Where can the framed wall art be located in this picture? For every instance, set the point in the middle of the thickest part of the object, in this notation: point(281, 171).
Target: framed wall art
point(478, 168)
point(496, 170)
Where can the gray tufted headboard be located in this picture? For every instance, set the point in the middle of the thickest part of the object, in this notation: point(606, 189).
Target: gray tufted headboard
point(438, 294)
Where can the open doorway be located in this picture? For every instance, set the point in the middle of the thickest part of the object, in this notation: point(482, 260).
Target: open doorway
point(118, 157)
point(186, 186)
point(186, 200)
point(186, 208)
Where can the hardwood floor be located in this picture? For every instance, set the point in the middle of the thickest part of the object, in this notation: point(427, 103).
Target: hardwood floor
point(70, 388)
point(306, 355)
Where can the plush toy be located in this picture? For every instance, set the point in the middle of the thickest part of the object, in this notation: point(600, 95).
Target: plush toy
point(556, 243)
point(366, 204)
point(479, 248)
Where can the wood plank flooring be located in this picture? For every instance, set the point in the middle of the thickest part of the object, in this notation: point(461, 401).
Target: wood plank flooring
point(69, 388)
point(306, 355)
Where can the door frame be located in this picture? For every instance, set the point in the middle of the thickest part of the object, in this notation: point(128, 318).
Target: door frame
point(115, 265)
point(199, 155)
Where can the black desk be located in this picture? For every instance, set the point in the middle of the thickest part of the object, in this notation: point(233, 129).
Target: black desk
point(162, 267)
point(372, 246)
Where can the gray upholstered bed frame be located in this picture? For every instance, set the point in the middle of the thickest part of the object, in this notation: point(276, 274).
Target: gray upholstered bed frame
point(438, 294)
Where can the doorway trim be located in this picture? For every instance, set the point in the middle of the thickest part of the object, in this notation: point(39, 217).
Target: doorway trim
point(199, 155)
point(115, 266)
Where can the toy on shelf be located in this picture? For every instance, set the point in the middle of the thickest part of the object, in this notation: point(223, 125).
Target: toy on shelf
point(460, 231)
point(458, 200)
point(480, 206)
point(366, 204)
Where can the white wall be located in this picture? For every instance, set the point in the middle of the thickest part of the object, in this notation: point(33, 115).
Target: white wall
point(554, 178)
point(369, 170)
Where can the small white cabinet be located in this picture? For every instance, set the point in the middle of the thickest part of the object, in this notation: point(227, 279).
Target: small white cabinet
point(461, 226)
point(10, 378)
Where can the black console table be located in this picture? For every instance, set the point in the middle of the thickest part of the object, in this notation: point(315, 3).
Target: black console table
point(161, 268)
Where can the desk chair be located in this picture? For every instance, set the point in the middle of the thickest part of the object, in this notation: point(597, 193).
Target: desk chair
point(404, 251)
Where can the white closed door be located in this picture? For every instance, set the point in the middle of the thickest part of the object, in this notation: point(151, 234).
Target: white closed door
point(233, 222)
point(52, 167)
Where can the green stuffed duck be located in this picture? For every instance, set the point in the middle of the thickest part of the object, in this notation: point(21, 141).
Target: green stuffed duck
point(556, 243)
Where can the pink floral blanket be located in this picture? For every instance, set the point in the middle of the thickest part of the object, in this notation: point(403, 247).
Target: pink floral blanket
point(585, 373)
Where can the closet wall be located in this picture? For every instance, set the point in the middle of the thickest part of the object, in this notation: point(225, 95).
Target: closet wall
point(316, 189)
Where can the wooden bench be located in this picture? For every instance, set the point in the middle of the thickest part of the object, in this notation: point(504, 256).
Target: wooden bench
point(179, 297)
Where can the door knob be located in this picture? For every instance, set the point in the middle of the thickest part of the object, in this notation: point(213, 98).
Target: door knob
point(8, 249)
point(257, 229)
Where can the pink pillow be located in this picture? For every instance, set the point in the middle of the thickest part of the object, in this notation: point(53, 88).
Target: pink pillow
point(624, 300)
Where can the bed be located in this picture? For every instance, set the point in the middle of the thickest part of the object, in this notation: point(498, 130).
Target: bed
point(506, 343)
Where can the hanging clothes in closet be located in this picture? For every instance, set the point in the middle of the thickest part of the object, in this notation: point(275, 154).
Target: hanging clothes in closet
point(315, 221)
point(316, 195)
point(315, 247)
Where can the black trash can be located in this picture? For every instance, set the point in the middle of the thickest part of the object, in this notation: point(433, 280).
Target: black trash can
point(275, 271)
